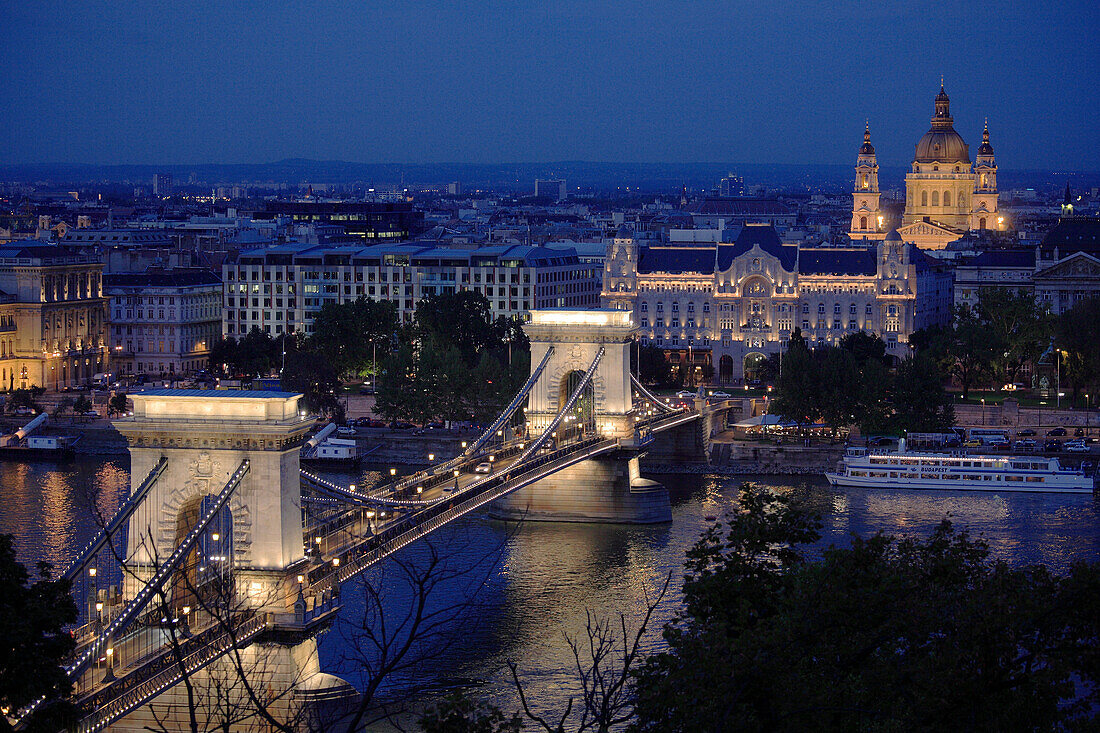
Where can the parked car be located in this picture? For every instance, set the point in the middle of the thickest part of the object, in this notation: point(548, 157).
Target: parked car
point(483, 467)
point(880, 440)
point(401, 425)
point(24, 411)
point(998, 443)
point(1025, 433)
point(972, 444)
point(1056, 432)
point(1076, 446)
point(1026, 444)
point(1079, 433)
point(347, 430)
point(88, 413)
point(1052, 445)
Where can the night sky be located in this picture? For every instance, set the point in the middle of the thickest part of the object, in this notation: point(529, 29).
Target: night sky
point(491, 82)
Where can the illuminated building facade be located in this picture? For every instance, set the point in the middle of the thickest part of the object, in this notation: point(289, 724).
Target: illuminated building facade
point(53, 316)
point(163, 321)
point(368, 220)
point(281, 289)
point(721, 309)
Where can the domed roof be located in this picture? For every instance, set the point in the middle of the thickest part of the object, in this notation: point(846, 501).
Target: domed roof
point(942, 144)
point(893, 236)
point(867, 148)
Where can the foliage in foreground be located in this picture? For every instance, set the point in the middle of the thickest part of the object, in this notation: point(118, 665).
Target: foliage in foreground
point(33, 616)
point(887, 635)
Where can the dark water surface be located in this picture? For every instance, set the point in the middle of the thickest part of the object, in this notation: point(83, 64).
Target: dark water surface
point(531, 585)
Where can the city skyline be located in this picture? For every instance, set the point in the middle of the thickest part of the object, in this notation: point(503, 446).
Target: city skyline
point(186, 84)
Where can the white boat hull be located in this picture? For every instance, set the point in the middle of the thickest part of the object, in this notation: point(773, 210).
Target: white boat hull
point(837, 479)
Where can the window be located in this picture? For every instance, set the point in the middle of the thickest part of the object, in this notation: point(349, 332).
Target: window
point(675, 306)
point(660, 307)
point(645, 307)
point(852, 309)
point(869, 310)
point(935, 198)
point(805, 308)
point(836, 309)
point(946, 198)
point(924, 198)
point(821, 309)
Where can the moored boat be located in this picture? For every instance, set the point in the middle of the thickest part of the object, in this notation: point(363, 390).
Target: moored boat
point(912, 470)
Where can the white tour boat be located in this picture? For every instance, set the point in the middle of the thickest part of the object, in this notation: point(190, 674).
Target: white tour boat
point(909, 470)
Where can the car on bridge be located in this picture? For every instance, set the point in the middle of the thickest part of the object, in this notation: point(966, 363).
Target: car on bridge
point(483, 467)
point(684, 394)
point(720, 395)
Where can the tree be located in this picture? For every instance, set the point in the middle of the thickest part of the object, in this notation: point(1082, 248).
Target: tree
point(798, 393)
point(839, 387)
point(349, 335)
point(117, 404)
point(920, 402)
point(865, 347)
point(463, 318)
point(887, 634)
point(223, 355)
point(64, 405)
point(317, 379)
point(82, 405)
point(21, 398)
point(457, 713)
point(33, 617)
point(256, 354)
point(1017, 326)
point(652, 366)
point(1079, 336)
point(966, 350)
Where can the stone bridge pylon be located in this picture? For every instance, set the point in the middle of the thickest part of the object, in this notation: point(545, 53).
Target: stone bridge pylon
point(604, 489)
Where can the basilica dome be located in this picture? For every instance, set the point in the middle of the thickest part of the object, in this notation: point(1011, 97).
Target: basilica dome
point(942, 144)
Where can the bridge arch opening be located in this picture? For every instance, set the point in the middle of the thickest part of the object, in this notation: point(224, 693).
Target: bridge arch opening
point(583, 414)
point(206, 576)
point(725, 369)
point(753, 364)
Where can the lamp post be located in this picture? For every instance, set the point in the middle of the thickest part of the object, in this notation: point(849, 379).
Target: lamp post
point(491, 459)
point(983, 410)
point(456, 479)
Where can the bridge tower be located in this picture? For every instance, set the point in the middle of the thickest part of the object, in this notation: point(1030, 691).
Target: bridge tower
point(604, 489)
point(576, 336)
point(206, 435)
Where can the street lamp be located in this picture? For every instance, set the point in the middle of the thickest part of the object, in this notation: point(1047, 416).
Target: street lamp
point(491, 459)
point(456, 479)
point(983, 410)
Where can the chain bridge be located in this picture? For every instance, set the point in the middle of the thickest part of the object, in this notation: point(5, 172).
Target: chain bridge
point(225, 545)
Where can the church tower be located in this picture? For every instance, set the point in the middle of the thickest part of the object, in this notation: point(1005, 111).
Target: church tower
point(983, 213)
point(867, 217)
point(620, 276)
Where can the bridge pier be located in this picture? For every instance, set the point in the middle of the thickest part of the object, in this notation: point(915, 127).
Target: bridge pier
point(606, 489)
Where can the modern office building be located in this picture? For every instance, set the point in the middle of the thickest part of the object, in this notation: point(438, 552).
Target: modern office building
point(163, 322)
point(369, 220)
point(53, 317)
point(281, 289)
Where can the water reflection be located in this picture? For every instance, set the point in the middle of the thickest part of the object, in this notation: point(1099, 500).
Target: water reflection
point(539, 581)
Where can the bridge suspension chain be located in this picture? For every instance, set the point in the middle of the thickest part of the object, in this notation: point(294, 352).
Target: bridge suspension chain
point(125, 511)
point(566, 408)
point(650, 396)
point(489, 432)
point(135, 606)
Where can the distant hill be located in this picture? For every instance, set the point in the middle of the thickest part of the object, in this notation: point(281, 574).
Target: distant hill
point(517, 177)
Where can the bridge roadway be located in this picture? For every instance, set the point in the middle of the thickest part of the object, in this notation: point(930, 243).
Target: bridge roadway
point(342, 545)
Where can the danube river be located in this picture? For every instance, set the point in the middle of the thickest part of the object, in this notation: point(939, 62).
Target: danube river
point(522, 589)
